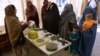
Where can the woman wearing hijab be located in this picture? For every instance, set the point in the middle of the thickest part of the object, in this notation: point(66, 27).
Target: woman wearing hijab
point(31, 13)
point(68, 19)
point(14, 29)
point(44, 8)
point(50, 17)
point(87, 37)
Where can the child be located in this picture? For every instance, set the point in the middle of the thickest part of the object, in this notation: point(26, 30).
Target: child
point(74, 36)
point(88, 23)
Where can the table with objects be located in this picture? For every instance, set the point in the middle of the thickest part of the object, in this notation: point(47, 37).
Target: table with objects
point(46, 36)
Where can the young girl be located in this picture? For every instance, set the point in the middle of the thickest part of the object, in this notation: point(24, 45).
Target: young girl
point(74, 36)
point(89, 22)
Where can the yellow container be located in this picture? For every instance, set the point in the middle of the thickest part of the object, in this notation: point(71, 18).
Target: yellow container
point(32, 34)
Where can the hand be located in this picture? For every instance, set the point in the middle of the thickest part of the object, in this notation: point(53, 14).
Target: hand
point(31, 23)
point(27, 23)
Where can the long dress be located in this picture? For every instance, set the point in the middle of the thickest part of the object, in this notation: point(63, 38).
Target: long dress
point(74, 45)
point(51, 19)
point(87, 37)
point(31, 13)
point(68, 19)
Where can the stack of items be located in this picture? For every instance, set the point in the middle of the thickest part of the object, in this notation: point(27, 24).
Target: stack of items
point(40, 41)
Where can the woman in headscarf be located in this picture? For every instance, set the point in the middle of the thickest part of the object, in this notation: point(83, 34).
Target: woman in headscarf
point(51, 17)
point(44, 8)
point(14, 30)
point(31, 13)
point(87, 37)
point(68, 19)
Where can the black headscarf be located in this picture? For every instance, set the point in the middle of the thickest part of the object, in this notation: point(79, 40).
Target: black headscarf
point(51, 19)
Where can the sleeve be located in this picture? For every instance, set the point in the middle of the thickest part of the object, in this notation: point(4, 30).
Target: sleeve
point(24, 27)
point(27, 13)
point(16, 24)
point(81, 22)
point(73, 19)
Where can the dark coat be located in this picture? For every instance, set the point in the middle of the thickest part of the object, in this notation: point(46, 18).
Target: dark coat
point(51, 19)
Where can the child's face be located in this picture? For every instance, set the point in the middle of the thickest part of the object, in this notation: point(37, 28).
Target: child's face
point(88, 16)
point(74, 30)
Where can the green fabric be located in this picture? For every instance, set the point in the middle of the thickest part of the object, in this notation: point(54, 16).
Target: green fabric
point(74, 37)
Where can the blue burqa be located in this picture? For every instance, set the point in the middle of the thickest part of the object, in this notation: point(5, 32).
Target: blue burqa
point(87, 37)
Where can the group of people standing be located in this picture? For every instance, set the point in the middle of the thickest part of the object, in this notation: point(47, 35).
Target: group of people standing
point(49, 14)
point(14, 28)
point(82, 36)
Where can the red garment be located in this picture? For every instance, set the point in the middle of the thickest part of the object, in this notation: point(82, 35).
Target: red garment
point(44, 8)
point(31, 13)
